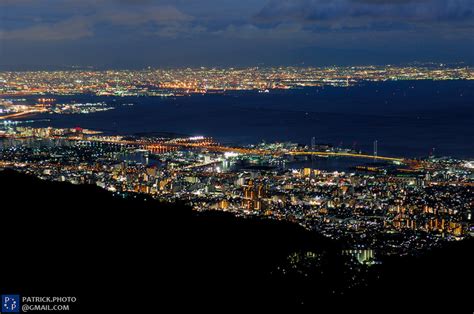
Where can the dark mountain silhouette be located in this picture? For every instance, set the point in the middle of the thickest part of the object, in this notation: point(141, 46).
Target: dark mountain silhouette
point(137, 254)
point(81, 240)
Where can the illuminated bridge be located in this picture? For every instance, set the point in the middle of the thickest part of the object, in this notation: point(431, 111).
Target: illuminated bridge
point(209, 144)
point(345, 154)
point(252, 151)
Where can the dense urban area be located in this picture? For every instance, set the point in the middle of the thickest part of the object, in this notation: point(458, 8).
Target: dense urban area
point(383, 204)
point(172, 82)
point(390, 205)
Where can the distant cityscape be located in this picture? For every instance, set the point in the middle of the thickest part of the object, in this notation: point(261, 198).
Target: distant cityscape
point(176, 82)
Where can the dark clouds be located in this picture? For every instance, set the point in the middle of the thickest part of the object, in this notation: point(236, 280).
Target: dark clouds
point(70, 29)
point(369, 12)
point(72, 19)
point(194, 32)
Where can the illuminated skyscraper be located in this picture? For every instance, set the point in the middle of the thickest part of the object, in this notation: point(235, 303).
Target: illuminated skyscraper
point(254, 195)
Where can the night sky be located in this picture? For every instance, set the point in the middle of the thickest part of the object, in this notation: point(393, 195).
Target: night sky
point(165, 33)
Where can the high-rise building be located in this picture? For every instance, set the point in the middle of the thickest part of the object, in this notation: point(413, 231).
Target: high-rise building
point(254, 194)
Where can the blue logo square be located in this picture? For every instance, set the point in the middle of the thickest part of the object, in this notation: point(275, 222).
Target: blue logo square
point(11, 303)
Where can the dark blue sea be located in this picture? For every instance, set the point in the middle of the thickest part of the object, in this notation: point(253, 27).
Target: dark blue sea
point(407, 118)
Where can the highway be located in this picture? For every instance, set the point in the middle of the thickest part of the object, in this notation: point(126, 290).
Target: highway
point(22, 114)
point(344, 154)
point(161, 147)
point(296, 153)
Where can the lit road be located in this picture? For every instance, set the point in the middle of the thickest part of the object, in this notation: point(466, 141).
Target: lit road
point(296, 153)
point(22, 114)
point(343, 154)
point(212, 146)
